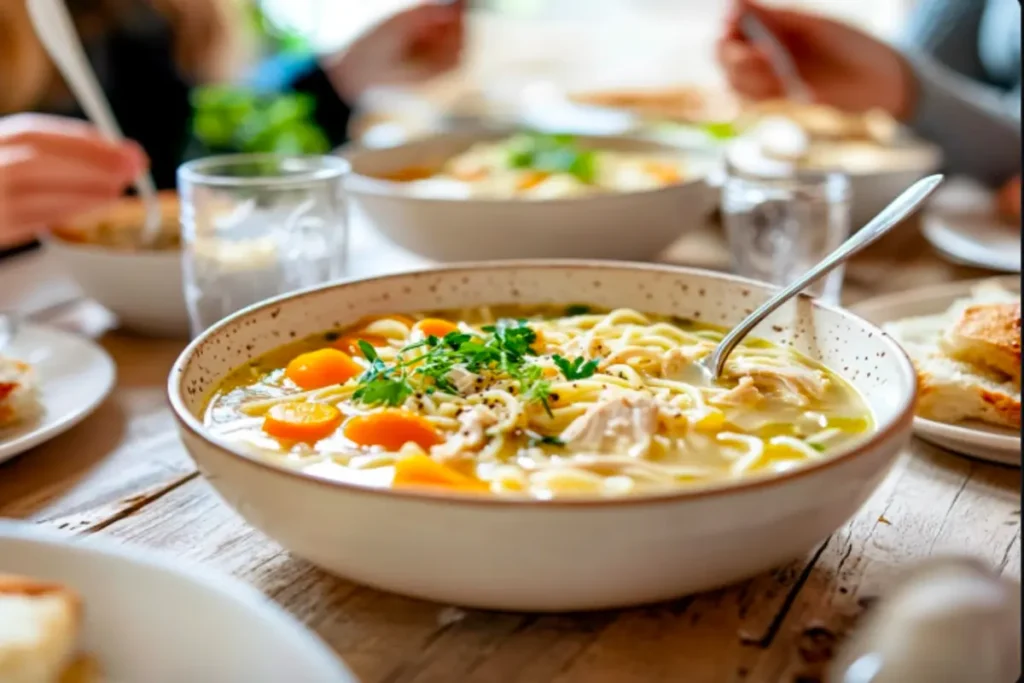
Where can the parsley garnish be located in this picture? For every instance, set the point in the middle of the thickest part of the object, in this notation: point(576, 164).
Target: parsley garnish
point(379, 383)
point(553, 154)
point(577, 309)
point(578, 368)
point(502, 352)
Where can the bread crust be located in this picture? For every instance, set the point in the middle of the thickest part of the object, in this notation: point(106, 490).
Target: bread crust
point(987, 335)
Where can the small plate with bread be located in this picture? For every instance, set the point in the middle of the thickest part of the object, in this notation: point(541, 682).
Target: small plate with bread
point(75, 610)
point(964, 339)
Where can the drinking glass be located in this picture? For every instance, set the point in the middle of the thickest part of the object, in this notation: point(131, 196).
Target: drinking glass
point(778, 225)
point(257, 225)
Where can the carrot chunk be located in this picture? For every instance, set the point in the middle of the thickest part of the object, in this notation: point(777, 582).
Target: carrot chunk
point(391, 429)
point(322, 368)
point(301, 420)
point(422, 470)
point(435, 327)
point(350, 342)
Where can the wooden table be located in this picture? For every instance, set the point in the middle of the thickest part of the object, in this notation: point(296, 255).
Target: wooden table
point(123, 474)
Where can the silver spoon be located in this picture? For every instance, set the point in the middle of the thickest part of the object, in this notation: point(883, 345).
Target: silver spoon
point(56, 31)
point(781, 60)
point(898, 209)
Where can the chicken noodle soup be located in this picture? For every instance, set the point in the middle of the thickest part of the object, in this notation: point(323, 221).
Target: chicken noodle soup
point(541, 401)
point(534, 166)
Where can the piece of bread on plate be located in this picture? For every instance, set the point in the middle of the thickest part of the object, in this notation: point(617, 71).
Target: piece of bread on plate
point(19, 396)
point(954, 391)
point(39, 624)
point(987, 335)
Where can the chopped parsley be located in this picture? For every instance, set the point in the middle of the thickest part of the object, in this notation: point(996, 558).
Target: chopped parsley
point(553, 154)
point(577, 368)
point(503, 351)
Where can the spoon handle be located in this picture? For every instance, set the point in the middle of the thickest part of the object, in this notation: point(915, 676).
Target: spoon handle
point(889, 217)
point(779, 56)
point(56, 31)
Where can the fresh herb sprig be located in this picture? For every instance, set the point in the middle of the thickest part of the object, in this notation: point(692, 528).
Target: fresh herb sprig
point(503, 350)
point(553, 154)
point(577, 368)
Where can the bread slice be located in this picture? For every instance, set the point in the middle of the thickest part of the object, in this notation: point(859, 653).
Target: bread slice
point(987, 335)
point(39, 624)
point(953, 391)
point(19, 396)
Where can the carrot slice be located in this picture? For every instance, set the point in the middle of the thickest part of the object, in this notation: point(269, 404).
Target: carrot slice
point(322, 368)
point(538, 344)
point(350, 342)
point(422, 470)
point(301, 420)
point(436, 327)
point(663, 173)
point(391, 429)
point(531, 179)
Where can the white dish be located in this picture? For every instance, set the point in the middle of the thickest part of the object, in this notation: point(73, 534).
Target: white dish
point(144, 289)
point(978, 440)
point(568, 554)
point(962, 225)
point(150, 619)
point(74, 377)
point(633, 225)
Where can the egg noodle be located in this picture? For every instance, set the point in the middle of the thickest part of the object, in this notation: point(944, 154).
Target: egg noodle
point(601, 403)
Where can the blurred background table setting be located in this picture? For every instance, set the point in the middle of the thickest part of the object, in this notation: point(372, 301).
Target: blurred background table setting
point(298, 144)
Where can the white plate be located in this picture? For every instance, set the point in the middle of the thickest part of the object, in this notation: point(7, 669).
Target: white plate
point(74, 376)
point(150, 619)
point(979, 440)
point(962, 226)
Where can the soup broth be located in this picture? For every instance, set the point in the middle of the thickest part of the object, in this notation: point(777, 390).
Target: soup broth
point(540, 401)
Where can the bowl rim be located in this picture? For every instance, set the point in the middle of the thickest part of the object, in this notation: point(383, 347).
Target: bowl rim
point(55, 242)
point(359, 183)
point(902, 421)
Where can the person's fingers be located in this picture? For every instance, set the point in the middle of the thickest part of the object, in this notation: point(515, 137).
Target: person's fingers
point(28, 169)
point(71, 138)
point(747, 70)
point(32, 212)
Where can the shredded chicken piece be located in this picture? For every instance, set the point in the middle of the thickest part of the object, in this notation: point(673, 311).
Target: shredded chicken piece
point(679, 358)
point(462, 379)
point(623, 424)
point(789, 383)
point(472, 434)
point(745, 393)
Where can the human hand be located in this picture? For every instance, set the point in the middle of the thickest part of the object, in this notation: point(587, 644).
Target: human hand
point(413, 45)
point(52, 167)
point(842, 66)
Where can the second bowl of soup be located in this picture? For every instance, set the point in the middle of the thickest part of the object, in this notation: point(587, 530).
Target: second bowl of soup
point(488, 435)
point(488, 195)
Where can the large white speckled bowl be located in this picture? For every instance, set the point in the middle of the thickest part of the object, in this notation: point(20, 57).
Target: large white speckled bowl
point(621, 225)
point(539, 555)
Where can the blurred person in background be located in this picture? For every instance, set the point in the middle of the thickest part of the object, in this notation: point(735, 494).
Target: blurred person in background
point(149, 55)
point(955, 77)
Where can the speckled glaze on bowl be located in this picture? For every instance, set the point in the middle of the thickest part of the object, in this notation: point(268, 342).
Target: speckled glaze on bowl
point(550, 555)
point(617, 225)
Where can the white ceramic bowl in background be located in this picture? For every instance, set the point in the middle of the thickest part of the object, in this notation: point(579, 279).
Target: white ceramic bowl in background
point(550, 555)
point(143, 288)
point(149, 619)
point(628, 225)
